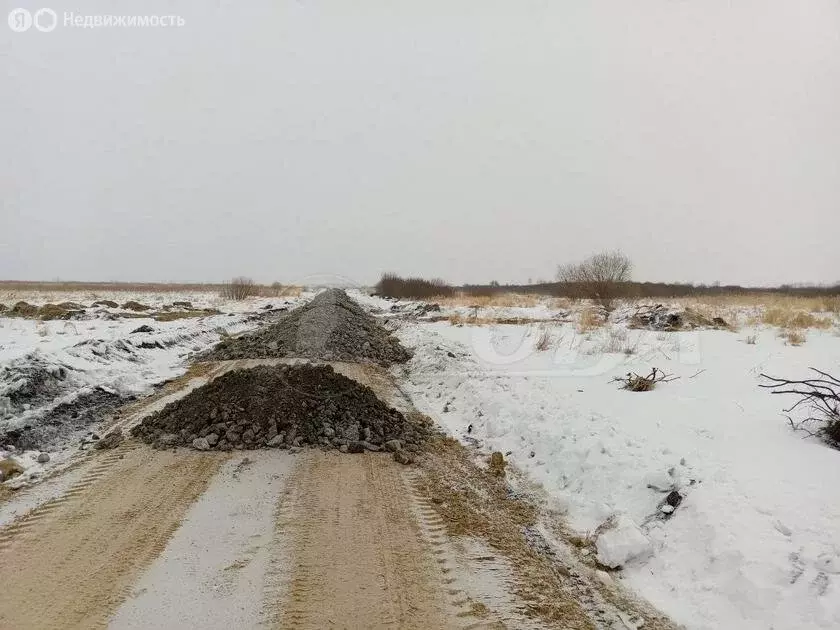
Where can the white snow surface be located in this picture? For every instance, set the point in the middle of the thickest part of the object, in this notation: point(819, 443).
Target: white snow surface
point(621, 542)
point(755, 543)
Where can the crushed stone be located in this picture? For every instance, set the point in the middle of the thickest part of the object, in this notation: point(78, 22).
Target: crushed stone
point(331, 327)
point(281, 406)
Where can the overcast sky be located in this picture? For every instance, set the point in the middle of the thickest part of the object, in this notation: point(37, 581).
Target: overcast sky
point(472, 140)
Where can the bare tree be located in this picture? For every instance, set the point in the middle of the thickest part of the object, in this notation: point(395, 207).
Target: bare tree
point(599, 276)
point(239, 288)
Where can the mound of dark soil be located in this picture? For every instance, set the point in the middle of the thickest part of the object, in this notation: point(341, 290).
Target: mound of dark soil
point(58, 311)
point(32, 380)
point(63, 421)
point(24, 309)
point(131, 305)
point(280, 406)
point(332, 327)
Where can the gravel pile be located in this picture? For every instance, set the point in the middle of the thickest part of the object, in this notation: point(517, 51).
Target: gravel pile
point(331, 327)
point(282, 406)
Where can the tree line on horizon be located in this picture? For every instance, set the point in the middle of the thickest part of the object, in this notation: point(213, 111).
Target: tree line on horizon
point(605, 276)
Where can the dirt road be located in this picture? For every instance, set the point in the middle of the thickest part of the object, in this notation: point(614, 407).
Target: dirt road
point(70, 562)
point(360, 561)
point(340, 547)
point(138, 538)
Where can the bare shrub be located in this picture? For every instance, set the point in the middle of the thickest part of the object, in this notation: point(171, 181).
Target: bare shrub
point(793, 337)
point(635, 383)
point(238, 288)
point(277, 289)
point(544, 339)
point(598, 277)
point(392, 285)
point(456, 319)
point(750, 340)
point(616, 340)
point(590, 319)
point(820, 396)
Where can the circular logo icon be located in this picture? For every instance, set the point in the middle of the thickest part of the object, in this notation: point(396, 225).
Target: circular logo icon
point(20, 20)
point(45, 20)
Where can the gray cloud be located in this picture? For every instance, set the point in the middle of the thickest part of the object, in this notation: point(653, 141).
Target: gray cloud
point(473, 141)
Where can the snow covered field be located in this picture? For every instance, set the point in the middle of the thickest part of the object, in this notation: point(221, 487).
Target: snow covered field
point(755, 543)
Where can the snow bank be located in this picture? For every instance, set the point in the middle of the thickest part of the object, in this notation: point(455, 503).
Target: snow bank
point(755, 543)
point(620, 542)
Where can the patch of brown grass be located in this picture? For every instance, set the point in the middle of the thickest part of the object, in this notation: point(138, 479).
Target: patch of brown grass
point(13, 288)
point(474, 502)
point(171, 316)
point(830, 305)
point(794, 319)
point(793, 337)
point(460, 320)
point(10, 468)
point(590, 319)
point(502, 300)
point(763, 300)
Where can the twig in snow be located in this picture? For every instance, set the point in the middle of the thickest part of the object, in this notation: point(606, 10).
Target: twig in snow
point(821, 399)
point(637, 383)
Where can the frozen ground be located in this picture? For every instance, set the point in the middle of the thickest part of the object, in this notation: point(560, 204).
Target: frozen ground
point(55, 374)
point(755, 543)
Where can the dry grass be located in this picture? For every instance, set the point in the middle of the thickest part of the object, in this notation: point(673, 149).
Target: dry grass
point(457, 319)
point(793, 319)
point(238, 288)
point(9, 468)
point(772, 309)
point(544, 339)
point(617, 341)
point(51, 312)
point(14, 288)
point(474, 502)
point(766, 300)
point(277, 290)
point(591, 318)
point(108, 287)
point(171, 316)
point(793, 337)
point(503, 300)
